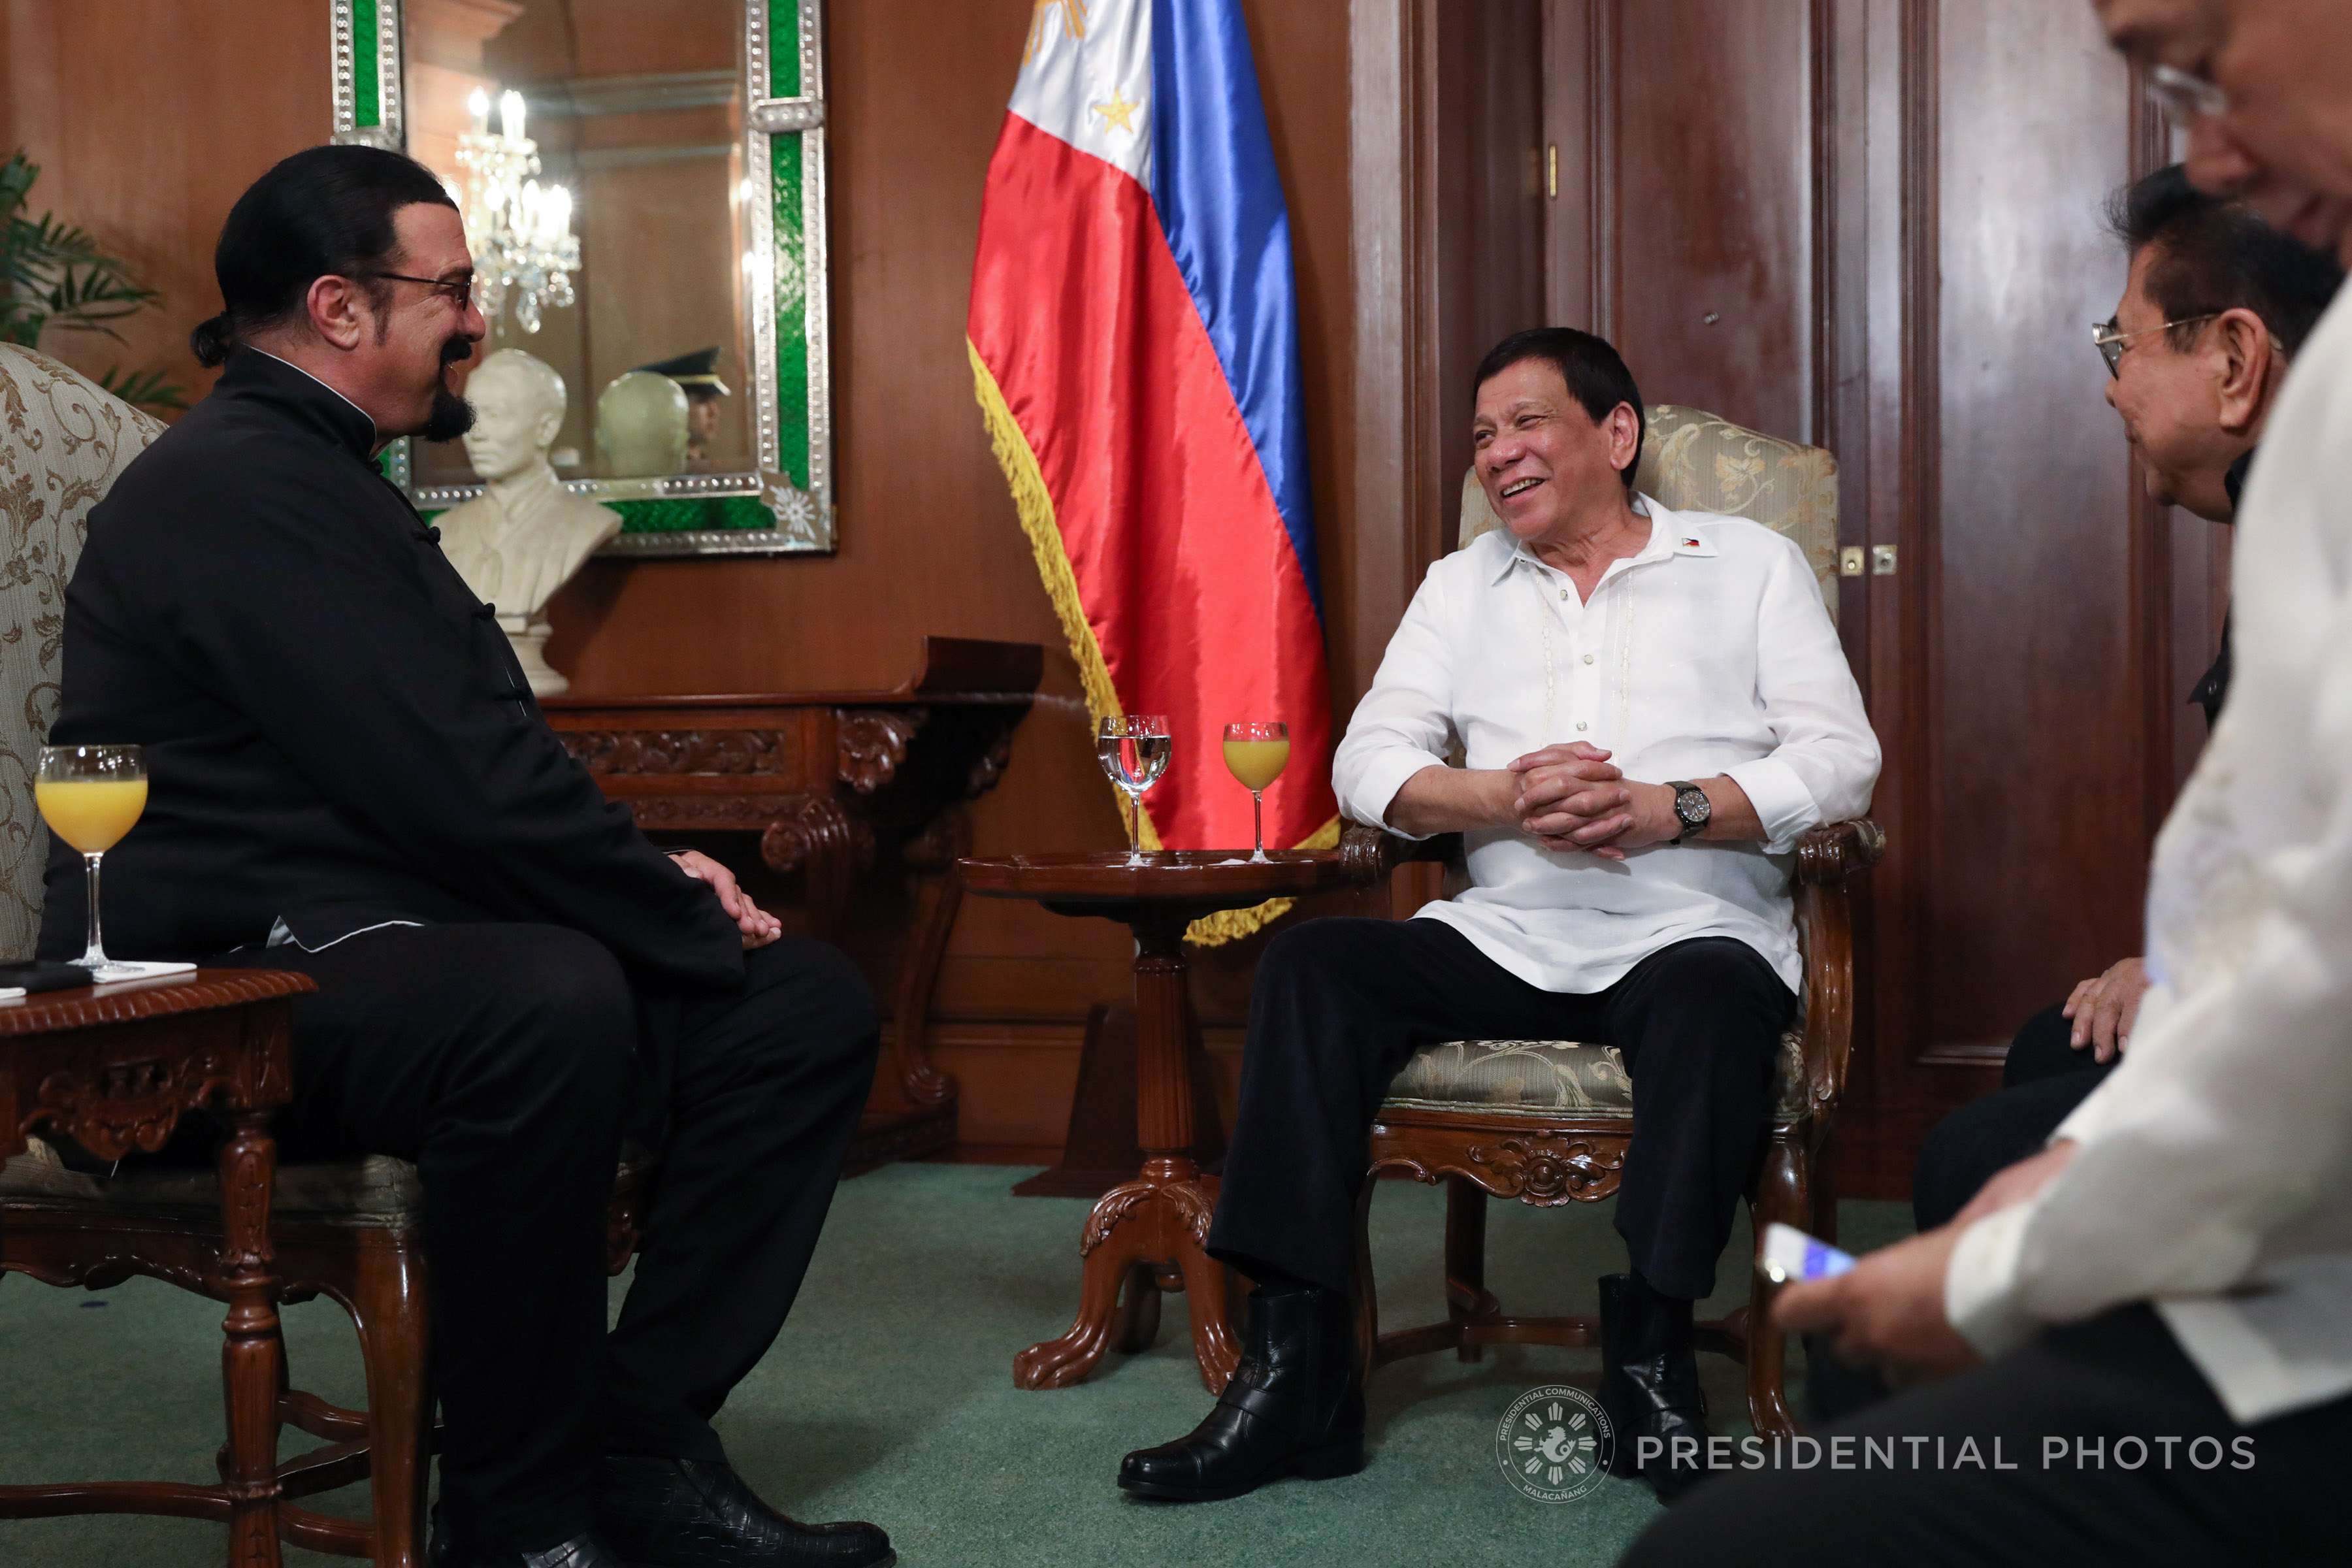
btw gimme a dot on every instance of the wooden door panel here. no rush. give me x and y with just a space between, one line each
1685 231
2030 841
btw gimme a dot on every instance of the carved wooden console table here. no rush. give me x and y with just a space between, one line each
835 785
115 1068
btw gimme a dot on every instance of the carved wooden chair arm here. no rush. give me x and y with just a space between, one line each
1826 857
1370 854
1831 852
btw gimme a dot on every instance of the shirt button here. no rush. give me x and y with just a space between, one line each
1563 593
1580 724
1588 659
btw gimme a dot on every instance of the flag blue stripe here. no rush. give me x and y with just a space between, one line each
1220 202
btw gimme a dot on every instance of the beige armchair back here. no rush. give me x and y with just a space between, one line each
1692 461
63 439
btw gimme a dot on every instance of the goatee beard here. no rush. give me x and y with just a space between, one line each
451 417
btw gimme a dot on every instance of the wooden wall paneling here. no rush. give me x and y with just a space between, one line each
2031 669
1688 128
1487 280
121 103
1392 134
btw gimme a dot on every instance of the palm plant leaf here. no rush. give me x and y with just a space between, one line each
54 272
143 388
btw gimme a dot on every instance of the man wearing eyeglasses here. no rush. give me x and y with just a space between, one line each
349 777
2217 305
2144 1334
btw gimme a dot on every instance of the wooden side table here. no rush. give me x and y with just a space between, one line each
114 1067
1156 1225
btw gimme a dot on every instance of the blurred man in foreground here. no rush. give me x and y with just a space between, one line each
2172 1278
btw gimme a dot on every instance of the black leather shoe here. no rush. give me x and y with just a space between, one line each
1295 1407
1649 1385
692 1513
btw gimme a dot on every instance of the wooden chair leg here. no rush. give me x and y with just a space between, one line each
1465 1259
391 1311
1782 1194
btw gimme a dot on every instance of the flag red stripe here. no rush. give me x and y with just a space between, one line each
1189 581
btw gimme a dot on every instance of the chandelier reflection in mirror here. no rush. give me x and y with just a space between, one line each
518 230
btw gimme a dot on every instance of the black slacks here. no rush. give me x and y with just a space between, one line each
2043 1080
2122 1455
505 1061
1339 1006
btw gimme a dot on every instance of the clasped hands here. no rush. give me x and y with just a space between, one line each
759 926
1573 798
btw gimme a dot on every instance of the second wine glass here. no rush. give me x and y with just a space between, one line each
1134 751
1256 754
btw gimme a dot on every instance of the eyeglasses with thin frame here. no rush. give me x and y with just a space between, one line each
2184 97
459 291
2111 343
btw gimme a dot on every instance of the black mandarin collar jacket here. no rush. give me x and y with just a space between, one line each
337 733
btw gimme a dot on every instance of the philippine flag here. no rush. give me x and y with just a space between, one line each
1134 343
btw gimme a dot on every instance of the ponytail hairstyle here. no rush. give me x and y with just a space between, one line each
326 211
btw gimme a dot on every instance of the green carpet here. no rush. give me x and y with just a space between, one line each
889 1397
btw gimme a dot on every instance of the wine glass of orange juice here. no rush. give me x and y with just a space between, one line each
1256 755
90 797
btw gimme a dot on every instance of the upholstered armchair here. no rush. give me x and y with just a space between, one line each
1549 1121
351 1230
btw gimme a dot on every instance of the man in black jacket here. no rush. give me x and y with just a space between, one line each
348 776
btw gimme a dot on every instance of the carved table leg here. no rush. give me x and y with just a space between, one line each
813 834
1162 1216
251 1355
939 895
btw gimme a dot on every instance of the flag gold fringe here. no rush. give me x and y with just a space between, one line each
1232 925
1035 505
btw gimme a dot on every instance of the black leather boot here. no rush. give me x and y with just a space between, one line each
1649 1383
1295 1407
693 1513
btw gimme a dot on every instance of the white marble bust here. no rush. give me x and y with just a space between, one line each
525 535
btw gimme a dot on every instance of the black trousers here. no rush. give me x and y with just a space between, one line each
2122 1456
505 1061
1339 1006
2043 1080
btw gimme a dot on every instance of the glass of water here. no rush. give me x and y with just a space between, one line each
1134 751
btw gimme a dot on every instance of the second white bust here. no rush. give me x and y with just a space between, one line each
525 535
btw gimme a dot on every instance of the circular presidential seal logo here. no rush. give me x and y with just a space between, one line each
1554 1443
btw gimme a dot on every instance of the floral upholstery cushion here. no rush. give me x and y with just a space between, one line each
1692 461
63 439
1554 1078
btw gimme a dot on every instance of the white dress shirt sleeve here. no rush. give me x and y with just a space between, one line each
1404 723
1826 761
2226 1118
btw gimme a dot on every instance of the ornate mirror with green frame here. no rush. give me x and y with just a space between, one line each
643 189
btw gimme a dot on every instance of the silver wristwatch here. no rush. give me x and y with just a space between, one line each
1692 808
